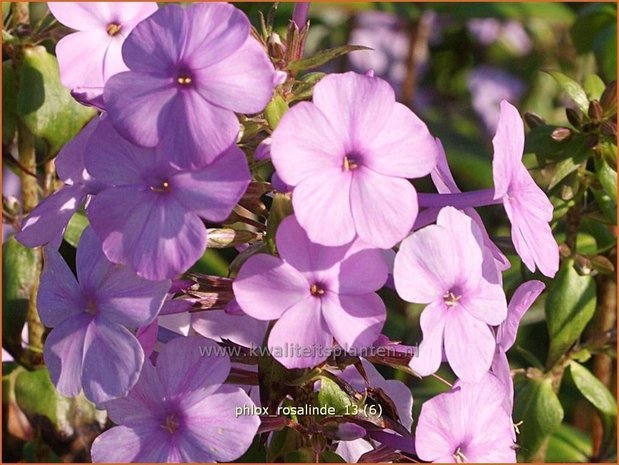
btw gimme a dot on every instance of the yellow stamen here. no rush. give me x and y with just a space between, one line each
113 28
171 423
184 80
349 165
316 290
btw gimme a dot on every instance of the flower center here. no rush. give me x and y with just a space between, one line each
163 187
459 456
317 290
91 307
451 298
171 423
351 162
113 28
184 79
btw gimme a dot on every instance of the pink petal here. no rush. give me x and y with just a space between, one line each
139 443
403 148
520 302
64 353
508 148
189 364
324 200
305 145
487 303
81 15
59 295
428 357
354 320
301 337
113 360
362 271
266 287
439 428
219 325
215 432
213 191
242 82
469 345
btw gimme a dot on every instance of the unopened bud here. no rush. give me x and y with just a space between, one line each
561 134
276 48
574 117
595 111
608 100
533 120
221 238
609 128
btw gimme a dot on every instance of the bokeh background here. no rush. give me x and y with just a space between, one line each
452 63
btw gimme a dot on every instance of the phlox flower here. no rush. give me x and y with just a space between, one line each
47 222
526 205
466 424
447 267
315 293
179 411
520 302
149 215
91 55
347 154
190 70
90 346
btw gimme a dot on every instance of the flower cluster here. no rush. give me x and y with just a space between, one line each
162 164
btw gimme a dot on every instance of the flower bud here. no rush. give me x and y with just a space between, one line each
561 134
533 120
608 100
596 111
574 117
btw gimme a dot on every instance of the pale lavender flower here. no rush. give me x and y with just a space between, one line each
150 215
466 424
526 205
91 347
348 155
179 411
11 190
316 293
47 222
447 267
89 57
191 69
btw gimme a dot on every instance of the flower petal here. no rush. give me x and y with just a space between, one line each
354 320
322 207
59 296
266 287
362 272
192 363
113 360
508 148
428 357
139 443
213 191
80 15
153 234
64 353
469 345
520 302
305 145
243 82
215 431
487 303
47 222
385 226
301 337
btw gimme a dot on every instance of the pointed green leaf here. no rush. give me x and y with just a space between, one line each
331 395
594 86
572 89
44 105
570 304
593 389
275 110
324 57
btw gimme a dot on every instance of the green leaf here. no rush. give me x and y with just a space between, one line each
303 455
594 86
568 444
280 209
331 395
324 57
607 177
570 304
44 105
539 409
75 228
37 397
9 102
275 110
607 205
330 457
19 272
593 389
304 88
572 89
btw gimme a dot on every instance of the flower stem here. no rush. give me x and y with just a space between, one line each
479 198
